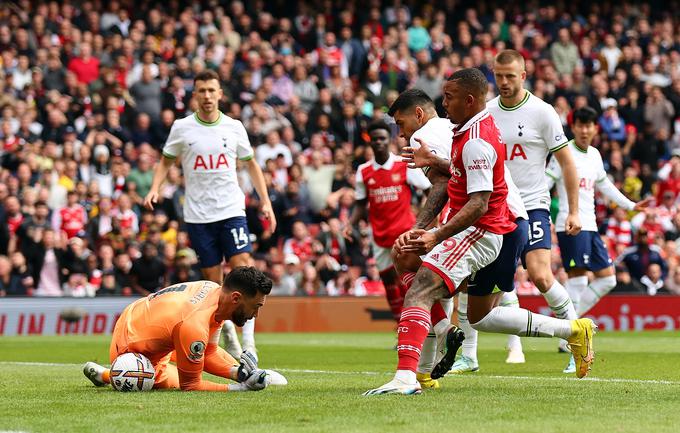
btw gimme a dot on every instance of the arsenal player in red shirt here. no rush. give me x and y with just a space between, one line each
470 240
383 191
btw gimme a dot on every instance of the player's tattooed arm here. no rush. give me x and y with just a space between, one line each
472 211
421 241
436 200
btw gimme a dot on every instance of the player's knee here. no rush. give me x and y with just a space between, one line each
405 262
424 290
543 280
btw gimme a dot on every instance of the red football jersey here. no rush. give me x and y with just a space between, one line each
478 164
389 199
72 220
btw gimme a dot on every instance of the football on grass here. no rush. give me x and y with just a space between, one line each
132 372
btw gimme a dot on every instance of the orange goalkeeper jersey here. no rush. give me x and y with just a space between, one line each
179 318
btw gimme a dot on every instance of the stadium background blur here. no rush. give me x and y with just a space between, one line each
89 90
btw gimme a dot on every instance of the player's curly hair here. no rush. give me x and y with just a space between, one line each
248 280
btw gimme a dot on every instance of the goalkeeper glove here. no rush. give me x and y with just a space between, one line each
248 365
257 381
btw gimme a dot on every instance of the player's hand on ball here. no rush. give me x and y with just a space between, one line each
257 381
248 365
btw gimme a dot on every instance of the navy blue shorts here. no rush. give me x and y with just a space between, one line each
220 239
585 250
539 232
500 274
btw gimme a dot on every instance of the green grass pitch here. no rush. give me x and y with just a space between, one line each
634 387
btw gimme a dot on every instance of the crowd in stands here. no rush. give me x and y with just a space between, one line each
90 89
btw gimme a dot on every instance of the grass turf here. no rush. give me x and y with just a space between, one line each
634 387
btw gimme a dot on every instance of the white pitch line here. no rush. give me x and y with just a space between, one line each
379 373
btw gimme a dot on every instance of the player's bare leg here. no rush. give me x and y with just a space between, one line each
414 325
248 330
434 347
540 273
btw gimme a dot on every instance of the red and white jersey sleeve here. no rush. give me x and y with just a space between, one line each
478 159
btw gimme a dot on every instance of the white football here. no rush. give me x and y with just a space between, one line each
276 378
132 372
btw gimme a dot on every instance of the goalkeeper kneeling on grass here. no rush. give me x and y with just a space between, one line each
182 324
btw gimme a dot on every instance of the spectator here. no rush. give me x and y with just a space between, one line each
611 123
272 149
147 274
564 53
641 256
89 114
84 66
300 244
147 94
320 180
10 283
658 111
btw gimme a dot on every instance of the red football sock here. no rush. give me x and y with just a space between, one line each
411 333
438 313
394 299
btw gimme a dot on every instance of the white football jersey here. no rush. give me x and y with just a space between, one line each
437 133
208 154
530 131
590 171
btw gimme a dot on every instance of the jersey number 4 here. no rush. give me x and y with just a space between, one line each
240 238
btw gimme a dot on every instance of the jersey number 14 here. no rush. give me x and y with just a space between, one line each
240 237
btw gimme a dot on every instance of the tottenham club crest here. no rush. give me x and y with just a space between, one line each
520 127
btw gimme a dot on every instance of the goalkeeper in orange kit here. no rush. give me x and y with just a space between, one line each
182 324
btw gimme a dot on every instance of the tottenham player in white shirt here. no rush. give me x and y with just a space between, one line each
208 144
586 251
415 114
531 129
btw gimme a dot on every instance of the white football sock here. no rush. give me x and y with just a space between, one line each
248 333
510 300
428 353
559 301
469 348
595 291
447 303
575 287
518 321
